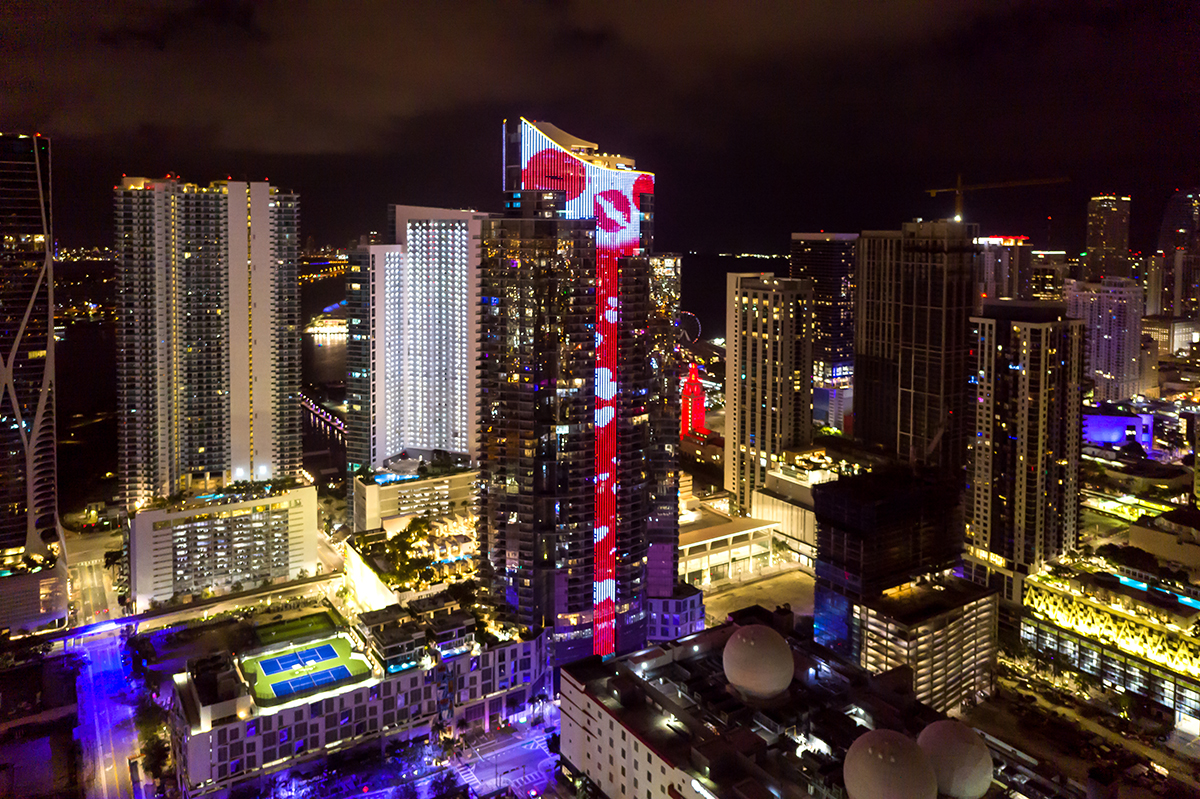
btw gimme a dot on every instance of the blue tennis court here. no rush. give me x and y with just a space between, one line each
305 658
298 684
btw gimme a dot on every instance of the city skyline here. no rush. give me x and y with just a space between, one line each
811 164
436 442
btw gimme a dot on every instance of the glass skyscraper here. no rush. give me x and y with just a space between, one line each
578 498
32 569
912 344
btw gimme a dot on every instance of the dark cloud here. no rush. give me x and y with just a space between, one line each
759 116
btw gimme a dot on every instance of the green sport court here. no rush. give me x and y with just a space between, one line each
313 625
281 674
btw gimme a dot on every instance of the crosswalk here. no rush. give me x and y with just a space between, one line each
467 775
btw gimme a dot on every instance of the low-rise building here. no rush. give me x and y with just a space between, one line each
714 548
386 498
1127 634
750 710
240 537
944 631
237 719
677 615
39 735
1114 427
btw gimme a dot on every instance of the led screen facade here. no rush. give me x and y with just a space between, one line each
614 197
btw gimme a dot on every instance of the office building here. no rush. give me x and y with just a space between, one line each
32 555
578 436
1023 480
1111 311
1049 271
227 541
412 338
877 531
208 335
768 377
1178 255
912 343
750 709
1107 237
1173 334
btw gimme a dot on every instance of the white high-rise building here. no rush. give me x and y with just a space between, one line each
413 337
768 377
208 335
1112 314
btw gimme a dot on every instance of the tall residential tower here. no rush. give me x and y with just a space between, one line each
413 340
577 447
33 590
208 335
768 378
827 259
1023 481
1111 311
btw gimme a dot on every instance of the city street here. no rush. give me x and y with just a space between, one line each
107 733
331 561
93 598
520 760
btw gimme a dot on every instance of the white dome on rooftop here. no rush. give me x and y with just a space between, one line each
758 662
885 764
960 759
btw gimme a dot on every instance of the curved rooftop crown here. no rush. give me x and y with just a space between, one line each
581 148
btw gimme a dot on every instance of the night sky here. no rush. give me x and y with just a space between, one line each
760 118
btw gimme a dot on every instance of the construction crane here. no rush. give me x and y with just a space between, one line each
959 188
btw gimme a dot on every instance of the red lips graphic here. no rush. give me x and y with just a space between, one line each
643 185
612 209
554 170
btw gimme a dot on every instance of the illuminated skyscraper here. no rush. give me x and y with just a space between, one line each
1023 480
576 514
827 259
208 335
1107 237
33 590
413 338
912 347
693 404
768 378
1111 311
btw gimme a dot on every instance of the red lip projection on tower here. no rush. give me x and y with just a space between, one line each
612 197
